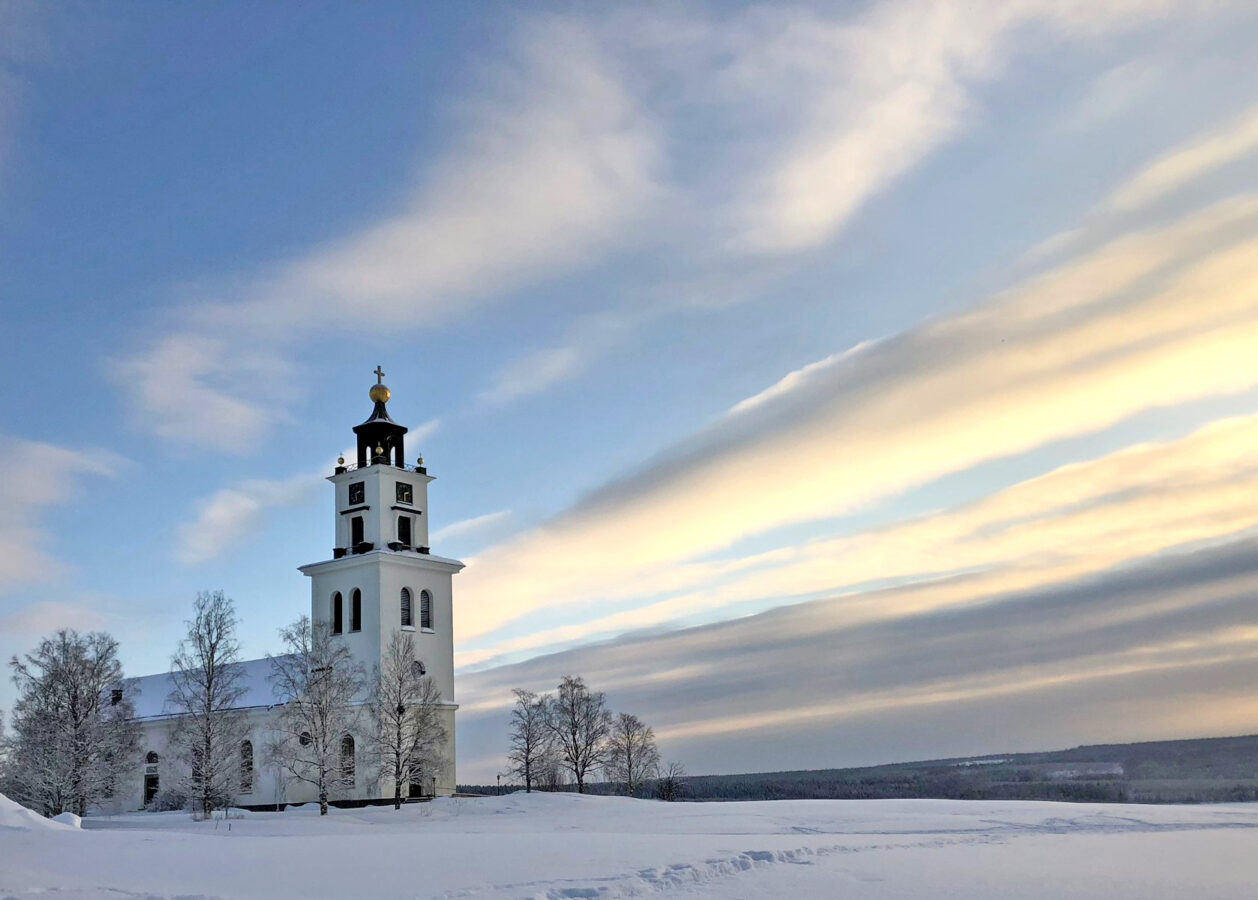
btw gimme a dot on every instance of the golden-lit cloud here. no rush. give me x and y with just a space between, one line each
1150 320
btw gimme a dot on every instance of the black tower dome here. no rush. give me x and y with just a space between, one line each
380 439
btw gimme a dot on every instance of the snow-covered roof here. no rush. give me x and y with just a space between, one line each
149 692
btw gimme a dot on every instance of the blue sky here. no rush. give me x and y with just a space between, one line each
847 321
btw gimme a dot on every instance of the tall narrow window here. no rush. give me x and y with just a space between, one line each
246 767
336 613
355 531
151 779
404 530
347 760
408 616
425 610
356 611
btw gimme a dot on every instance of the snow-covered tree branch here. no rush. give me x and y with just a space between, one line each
73 724
408 731
207 687
321 689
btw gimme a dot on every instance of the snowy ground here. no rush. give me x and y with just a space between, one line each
566 846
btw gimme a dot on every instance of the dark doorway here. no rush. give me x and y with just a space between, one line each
355 531
404 530
150 788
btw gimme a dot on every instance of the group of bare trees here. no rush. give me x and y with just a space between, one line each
572 733
75 735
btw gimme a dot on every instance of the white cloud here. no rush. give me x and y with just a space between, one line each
39 619
229 515
23 557
1232 142
535 372
553 164
471 527
879 93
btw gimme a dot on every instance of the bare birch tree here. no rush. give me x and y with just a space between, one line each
578 721
632 757
671 783
320 688
74 730
530 738
408 728
208 684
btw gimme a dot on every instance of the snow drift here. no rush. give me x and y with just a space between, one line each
14 815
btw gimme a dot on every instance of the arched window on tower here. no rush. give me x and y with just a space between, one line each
408 615
336 613
425 610
356 611
347 760
246 767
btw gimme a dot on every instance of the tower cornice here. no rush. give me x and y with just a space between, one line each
377 557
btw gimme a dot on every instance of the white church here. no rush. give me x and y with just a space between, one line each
381 579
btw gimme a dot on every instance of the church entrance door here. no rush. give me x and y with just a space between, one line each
150 788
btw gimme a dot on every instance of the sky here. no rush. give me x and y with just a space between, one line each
829 384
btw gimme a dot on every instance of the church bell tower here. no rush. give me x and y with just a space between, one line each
383 578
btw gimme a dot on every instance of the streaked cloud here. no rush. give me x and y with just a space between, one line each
24 556
40 619
1118 655
1230 143
1151 319
554 161
880 92
230 515
465 528
1079 519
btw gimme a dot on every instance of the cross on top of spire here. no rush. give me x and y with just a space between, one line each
379 373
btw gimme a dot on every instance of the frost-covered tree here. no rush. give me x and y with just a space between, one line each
408 729
550 774
208 683
632 757
578 722
530 738
74 732
320 688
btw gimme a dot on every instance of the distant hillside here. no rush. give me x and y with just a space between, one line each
1192 771
1203 770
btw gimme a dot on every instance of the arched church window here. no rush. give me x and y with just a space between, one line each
356 611
425 610
152 780
408 620
336 613
418 670
306 740
347 759
246 767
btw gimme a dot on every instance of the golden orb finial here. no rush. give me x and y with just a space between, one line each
380 393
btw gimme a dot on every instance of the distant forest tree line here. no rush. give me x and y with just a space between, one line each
1203 770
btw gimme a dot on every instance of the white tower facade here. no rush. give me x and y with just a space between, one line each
382 579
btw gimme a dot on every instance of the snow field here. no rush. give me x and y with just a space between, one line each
556 846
